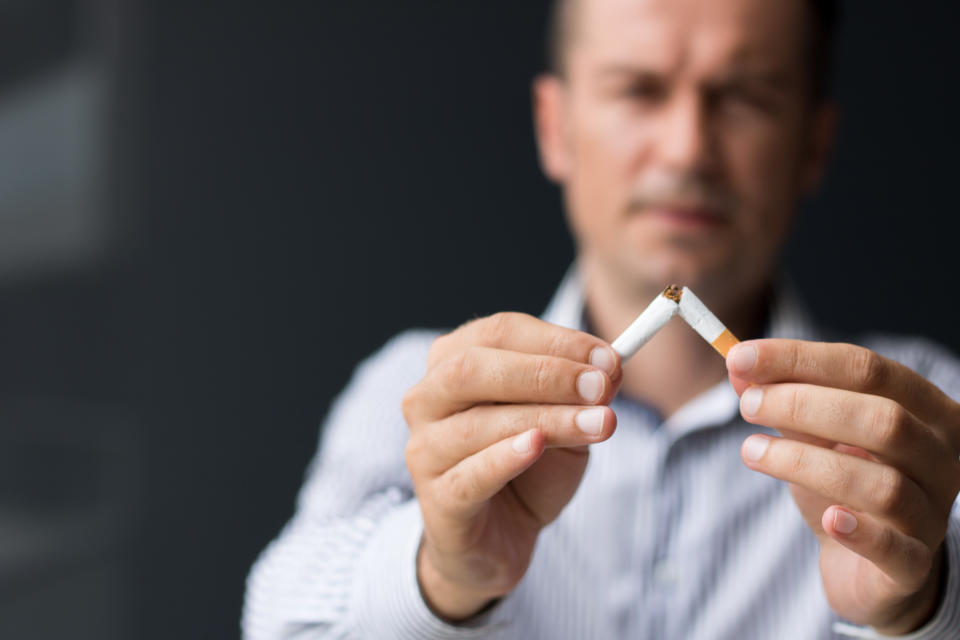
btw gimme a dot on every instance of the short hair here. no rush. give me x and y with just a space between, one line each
824 17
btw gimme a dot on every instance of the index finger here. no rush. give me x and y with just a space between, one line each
524 333
840 366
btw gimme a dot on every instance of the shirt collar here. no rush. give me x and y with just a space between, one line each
789 318
568 304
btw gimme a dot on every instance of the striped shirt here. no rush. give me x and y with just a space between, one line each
668 536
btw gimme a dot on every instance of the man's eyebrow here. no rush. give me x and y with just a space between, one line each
620 70
747 66
772 78
775 78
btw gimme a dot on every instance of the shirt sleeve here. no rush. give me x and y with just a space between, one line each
345 564
387 601
945 624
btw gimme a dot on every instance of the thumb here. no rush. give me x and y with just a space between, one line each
549 484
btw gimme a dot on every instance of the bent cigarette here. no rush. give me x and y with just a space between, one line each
673 301
705 323
657 314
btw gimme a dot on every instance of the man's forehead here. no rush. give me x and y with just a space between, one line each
761 33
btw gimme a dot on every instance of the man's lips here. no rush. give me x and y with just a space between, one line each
685 216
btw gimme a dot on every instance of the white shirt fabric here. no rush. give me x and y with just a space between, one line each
669 535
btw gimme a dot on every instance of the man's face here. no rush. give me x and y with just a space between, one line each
682 135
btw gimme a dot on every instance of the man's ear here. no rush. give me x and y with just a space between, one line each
550 124
822 133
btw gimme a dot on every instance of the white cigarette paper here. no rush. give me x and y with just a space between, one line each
705 323
658 313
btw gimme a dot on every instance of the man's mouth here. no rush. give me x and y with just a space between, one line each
685 216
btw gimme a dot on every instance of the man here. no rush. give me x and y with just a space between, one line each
682 133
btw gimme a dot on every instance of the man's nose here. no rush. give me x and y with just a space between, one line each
685 141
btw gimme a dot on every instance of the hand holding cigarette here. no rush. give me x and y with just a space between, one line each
498 428
870 450
486 481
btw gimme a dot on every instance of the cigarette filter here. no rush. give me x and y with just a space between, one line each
705 323
654 317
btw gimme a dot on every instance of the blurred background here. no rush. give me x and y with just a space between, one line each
209 212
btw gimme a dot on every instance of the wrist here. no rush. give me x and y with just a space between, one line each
449 601
919 608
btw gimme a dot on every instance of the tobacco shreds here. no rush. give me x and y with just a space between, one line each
673 292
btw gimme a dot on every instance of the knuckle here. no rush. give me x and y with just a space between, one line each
487 469
890 421
458 488
542 419
462 484
837 479
793 357
456 371
890 492
474 425
542 375
411 455
468 325
886 543
502 423
494 330
869 369
437 347
559 343
797 405
409 404
797 358
800 461
473 481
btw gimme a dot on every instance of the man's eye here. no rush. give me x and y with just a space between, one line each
738 98
645 91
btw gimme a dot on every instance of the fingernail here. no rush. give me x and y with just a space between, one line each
750 400
521 444
754 447
603 358
590 385
590 421
844 522
742 358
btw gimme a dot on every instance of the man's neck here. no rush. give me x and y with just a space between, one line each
677 365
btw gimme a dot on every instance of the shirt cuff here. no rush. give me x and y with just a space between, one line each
945 624
387 602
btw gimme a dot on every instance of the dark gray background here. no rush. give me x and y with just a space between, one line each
279 188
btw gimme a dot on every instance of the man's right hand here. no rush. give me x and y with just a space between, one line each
498 433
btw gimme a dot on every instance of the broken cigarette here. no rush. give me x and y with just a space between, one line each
705 323
654 317
673 301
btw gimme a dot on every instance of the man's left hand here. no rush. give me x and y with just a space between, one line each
870 450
